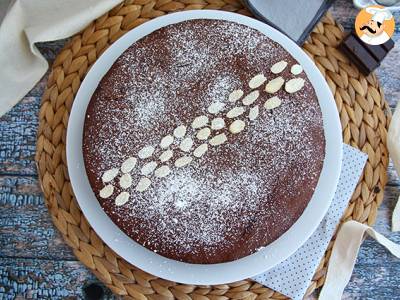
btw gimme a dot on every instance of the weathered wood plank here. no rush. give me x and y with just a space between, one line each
26 229
389 75
18 138
44 279
367 280
371 279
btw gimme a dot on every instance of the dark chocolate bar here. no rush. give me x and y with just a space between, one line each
377 51
388 45
366 57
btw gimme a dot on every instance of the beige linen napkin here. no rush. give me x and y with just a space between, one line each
28 22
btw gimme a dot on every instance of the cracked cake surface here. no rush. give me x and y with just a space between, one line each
204 141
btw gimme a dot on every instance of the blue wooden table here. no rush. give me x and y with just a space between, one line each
35 262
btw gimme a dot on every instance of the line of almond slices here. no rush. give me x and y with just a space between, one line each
204 126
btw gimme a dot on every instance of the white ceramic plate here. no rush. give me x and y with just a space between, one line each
169 269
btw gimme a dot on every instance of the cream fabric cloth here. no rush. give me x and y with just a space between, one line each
28 22
344 255
394 150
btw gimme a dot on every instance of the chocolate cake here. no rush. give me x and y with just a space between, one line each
204 141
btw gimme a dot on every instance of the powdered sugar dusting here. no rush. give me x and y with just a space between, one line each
184 189
148 108
238 196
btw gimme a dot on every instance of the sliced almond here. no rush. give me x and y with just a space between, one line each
296 69
250 98
122 198
166 141
274 85
235 112
279 67
109 175
215 107
180 131
199 122
235 95
106 191
253 114
128 165
162 171
218 139
217 123
186 144
143 184
203 134
200 150
166 155
125 181
183 161
148 168
257 81
294 85
237 126
272 103
146 152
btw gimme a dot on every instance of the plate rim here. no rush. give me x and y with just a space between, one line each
169 269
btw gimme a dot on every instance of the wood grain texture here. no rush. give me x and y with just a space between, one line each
18 138
35 261
43 279
26 229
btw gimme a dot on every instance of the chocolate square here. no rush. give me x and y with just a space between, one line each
366 57
355 49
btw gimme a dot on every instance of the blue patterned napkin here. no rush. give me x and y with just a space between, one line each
293 276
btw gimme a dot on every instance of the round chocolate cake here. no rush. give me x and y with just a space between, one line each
204 141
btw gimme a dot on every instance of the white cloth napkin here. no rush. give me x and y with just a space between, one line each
293 276
28 22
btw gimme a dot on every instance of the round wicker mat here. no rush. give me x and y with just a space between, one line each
364 116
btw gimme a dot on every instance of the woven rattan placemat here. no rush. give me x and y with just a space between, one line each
363 111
